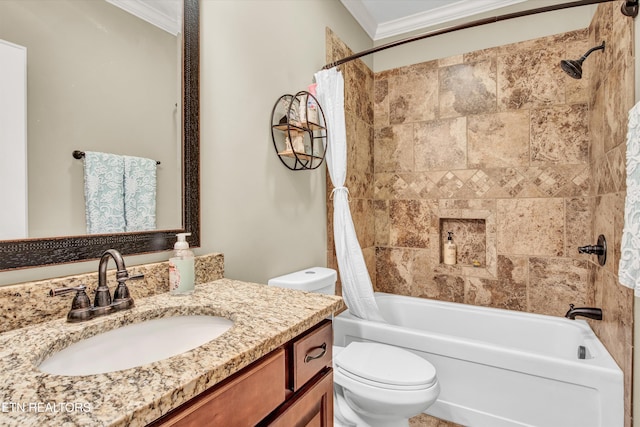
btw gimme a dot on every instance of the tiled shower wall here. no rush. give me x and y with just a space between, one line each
521 162
611 94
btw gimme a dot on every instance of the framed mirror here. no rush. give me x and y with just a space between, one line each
34 252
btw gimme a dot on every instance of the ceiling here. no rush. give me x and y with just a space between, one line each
388 18
164 14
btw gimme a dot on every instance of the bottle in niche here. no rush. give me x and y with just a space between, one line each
449 250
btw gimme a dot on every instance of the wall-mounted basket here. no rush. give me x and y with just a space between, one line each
298 131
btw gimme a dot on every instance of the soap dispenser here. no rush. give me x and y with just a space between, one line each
449 250
181 267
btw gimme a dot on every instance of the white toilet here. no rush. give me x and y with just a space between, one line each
375 385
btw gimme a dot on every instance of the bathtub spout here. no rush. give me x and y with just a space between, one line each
590 312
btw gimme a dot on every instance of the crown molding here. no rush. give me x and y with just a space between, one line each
428 18
147 11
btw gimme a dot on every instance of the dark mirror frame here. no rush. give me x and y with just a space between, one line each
16 254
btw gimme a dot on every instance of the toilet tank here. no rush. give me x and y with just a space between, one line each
315 279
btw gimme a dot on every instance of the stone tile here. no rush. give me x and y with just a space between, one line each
554 283
602 177
615 330
579 225
596 124
480 183
381 102
481 55
394 270
550 181
384 186
449 185
424 420
441 145
359 158
393 148
618 101
528 78
467 89
604 223
618 200
616 159
411 222
498 140
358 95
510 182
442 287
530 227
560 134
583 181
404 186
369 255
451 60
381 213
413 95
363 220
496 293
578 91
509 291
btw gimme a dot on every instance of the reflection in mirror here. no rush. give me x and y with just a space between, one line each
87 123
100 79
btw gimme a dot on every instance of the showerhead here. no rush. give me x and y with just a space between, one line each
574 67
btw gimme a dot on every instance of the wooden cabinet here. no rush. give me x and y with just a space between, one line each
291 386
312 406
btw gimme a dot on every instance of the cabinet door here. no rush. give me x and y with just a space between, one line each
240 402
312 406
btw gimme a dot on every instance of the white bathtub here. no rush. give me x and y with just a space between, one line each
499 367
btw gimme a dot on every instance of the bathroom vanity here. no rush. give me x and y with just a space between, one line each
292 385
255 373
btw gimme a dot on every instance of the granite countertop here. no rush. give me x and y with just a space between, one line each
264 317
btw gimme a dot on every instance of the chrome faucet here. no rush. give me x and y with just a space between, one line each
589 312
81 308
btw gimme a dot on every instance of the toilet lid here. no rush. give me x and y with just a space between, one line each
385 364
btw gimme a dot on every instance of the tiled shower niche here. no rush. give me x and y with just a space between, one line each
470 237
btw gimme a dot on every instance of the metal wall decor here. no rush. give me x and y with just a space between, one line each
299 131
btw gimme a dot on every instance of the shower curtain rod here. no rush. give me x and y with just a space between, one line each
469 25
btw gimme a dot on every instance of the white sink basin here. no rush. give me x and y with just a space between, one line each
135 345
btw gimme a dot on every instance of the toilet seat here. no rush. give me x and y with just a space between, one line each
385 366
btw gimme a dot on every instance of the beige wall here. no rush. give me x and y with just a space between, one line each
265 218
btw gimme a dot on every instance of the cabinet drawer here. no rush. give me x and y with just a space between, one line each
243 400
311 353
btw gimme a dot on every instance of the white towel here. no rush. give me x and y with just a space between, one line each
104 192
139 193
629 267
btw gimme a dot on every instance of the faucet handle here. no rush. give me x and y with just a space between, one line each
63 291
80 306
121 297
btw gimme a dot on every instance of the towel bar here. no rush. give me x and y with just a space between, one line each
77 154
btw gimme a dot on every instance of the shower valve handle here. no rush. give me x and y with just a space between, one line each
591 249
599 249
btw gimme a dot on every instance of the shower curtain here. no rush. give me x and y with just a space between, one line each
357 289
